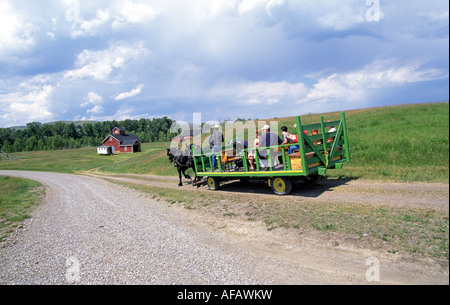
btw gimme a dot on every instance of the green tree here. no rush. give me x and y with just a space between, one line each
7 146
41 144
34 129
58 129
18 146
70 131
31 143
88 130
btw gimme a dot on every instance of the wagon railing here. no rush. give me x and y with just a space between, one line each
315 154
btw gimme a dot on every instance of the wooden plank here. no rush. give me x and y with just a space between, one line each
344 131
316 149
309 127
301 143
296 163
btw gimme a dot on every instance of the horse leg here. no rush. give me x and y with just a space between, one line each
179 175
182 171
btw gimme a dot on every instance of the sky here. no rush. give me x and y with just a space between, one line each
225 59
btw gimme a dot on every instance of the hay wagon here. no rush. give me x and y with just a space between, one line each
329 149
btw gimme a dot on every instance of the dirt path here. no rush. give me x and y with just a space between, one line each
431 195
81 218
337 258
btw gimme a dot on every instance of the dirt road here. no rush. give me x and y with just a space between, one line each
118 236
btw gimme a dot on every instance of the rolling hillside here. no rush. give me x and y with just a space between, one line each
401 143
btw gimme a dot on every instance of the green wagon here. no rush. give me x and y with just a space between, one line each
329 149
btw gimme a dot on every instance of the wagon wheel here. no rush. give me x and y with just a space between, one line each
213 183
311 180
281 185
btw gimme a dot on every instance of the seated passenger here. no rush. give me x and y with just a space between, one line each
272 140
290 138
316 132
252 153
286 135
332 129
239 146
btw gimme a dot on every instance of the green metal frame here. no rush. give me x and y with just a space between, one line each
327 155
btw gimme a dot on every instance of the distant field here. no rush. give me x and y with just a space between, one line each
404 143
152 160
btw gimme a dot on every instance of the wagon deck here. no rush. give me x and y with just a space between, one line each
315 155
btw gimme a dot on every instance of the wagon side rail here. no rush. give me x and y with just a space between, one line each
325 150
316 153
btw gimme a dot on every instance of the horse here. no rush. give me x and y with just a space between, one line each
182 161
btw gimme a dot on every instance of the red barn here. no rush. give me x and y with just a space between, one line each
122 142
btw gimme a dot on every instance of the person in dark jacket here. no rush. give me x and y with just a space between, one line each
215 141
269 139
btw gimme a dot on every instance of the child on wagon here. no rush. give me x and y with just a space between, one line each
290 138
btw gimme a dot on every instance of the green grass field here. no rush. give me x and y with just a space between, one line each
405 143
408 143
17 197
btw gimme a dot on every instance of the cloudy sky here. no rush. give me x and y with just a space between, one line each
225 59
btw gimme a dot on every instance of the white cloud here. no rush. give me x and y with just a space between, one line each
92 98
260 93
134 13
91 27
51 35
97 109
15 33
387 73
220 7
132 93
100 64
207 52
117 14
119 115
249 5
332 89
356 85
95 100
29 107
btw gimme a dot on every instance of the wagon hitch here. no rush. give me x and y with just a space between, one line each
200 183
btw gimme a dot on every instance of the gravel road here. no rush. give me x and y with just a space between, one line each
89 231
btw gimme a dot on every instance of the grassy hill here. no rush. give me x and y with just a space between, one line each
53 123
401 143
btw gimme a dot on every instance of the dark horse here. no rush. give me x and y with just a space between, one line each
182 160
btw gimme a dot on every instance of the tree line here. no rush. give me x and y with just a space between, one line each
60 135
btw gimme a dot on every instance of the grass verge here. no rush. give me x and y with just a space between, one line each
416 231
17 198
